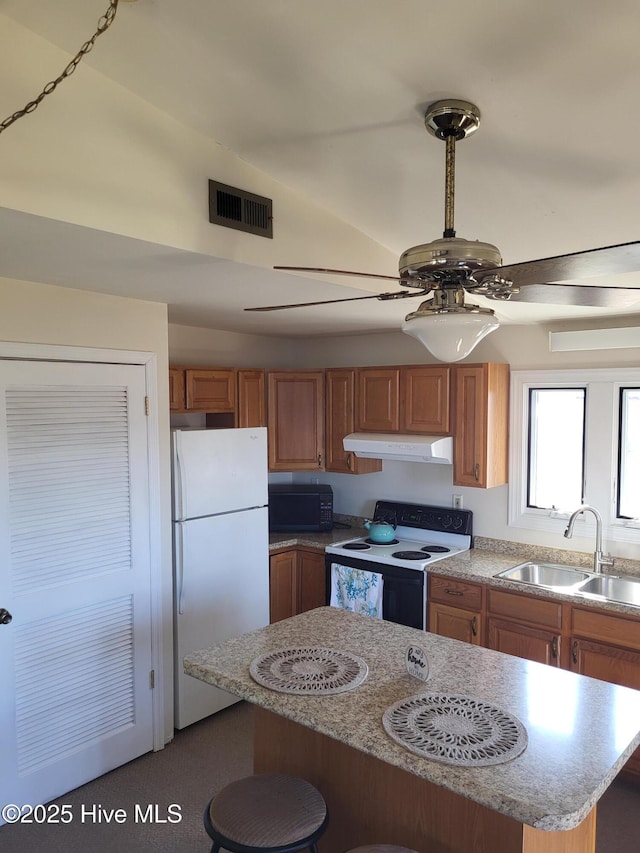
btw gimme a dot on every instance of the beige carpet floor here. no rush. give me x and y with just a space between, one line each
189 771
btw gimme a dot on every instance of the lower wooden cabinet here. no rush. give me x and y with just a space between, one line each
524 626
455 609
296 582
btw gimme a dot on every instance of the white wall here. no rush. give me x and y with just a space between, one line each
189 345
42 314
98 156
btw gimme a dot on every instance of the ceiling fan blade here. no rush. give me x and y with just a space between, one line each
578 294
383 297
410 281
610 260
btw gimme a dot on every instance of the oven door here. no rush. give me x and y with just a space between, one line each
403 590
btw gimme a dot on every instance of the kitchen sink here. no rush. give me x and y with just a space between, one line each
613 588
576 581
550 575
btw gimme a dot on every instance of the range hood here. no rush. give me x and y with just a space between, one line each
403 448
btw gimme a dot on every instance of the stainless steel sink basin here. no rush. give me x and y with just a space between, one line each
623 589
576 581
548 575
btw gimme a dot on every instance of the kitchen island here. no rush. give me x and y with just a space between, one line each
580 733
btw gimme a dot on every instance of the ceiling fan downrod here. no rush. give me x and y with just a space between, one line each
451 120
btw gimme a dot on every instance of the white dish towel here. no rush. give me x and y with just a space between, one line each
356 590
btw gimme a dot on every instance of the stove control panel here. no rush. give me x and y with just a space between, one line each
425 517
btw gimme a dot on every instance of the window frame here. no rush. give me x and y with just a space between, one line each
601 438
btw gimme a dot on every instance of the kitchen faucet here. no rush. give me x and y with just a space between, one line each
599 559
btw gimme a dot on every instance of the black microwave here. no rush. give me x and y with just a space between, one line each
300 507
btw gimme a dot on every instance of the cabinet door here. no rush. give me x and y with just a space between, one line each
211 390
481 413
282 586
311 579
537 644
176 389
424 406
340 421
456 623
296 420
378 399
252 409
613 664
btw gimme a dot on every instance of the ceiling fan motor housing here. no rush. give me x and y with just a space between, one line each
450 254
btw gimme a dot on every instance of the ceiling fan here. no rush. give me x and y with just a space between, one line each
445 269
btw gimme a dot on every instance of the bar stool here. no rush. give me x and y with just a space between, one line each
277 813
380 848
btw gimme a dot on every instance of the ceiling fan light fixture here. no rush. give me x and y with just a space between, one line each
450 334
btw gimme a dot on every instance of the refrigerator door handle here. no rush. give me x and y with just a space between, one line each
179 566
178 485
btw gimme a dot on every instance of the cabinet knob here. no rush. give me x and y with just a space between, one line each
474 626
453 591
319 460
476 472
554 647
349 461
574 651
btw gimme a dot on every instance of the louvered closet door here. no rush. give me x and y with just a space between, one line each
74 573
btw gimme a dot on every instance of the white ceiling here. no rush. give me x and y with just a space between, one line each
328 98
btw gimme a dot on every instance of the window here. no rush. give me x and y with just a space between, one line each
629 454
555 469
575 438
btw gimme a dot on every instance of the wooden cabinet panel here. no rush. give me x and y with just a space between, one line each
455 593
424 404
378 399
606 627
211 390
340 421
177 400
297 582
282 586
523 641
614 664
456 623
252 408
296 420
525 608
311 577
481 410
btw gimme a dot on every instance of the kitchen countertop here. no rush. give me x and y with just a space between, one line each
484 561
580 730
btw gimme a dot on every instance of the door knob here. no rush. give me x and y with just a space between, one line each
5 616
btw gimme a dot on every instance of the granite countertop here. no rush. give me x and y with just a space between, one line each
484 561
552 785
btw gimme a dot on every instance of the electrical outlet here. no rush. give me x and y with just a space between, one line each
456 502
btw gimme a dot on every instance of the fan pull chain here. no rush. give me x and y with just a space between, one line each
103 24
449 186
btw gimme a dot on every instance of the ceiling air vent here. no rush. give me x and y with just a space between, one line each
239 209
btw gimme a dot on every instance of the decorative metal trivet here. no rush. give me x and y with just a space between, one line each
455 729
311 671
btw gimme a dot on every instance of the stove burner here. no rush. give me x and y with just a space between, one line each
391 542
409 555
356 546
436 549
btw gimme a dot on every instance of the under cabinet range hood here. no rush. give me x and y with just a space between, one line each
402 448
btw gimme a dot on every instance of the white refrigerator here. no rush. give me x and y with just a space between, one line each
221 551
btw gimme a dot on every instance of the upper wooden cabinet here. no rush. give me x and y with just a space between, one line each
295 420
405 399
252 402
340 390
211 390
481 425
176 389
424 399
237 395
378 399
